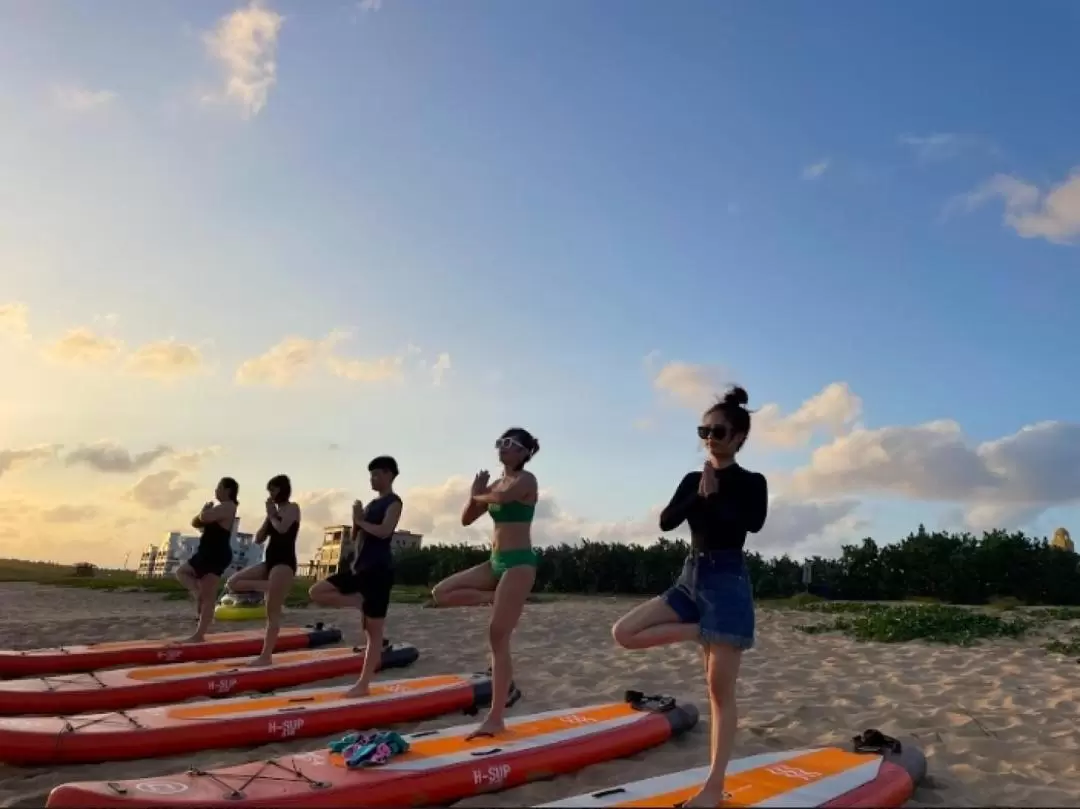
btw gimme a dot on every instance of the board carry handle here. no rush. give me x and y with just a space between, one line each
655 703
874 741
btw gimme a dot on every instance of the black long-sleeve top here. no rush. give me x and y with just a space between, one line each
722 520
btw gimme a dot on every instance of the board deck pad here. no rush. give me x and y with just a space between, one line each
67 659
116 689
441 766
234 721
795 778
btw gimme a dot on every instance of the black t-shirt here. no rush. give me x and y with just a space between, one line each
374 552
722 520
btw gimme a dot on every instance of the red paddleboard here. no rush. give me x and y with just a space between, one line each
233 722
116 689
440 767
65 659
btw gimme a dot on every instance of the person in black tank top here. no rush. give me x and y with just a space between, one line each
202 573
366 578
274 575
712 600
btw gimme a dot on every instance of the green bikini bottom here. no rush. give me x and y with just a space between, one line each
502 561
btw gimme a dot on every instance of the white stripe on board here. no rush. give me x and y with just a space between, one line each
827 789
475 754
812 795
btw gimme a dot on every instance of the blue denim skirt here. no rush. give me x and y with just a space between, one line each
714 592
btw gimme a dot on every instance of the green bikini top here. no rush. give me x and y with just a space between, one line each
512 511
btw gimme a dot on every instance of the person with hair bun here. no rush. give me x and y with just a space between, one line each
712 600
506 579
202 573
274 575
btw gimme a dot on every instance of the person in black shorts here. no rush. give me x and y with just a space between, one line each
202 573
365 582
274 575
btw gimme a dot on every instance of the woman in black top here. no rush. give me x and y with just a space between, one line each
712 600
274 575
202 573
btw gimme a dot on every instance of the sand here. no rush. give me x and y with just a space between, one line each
998 721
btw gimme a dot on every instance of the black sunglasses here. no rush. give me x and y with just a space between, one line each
717 431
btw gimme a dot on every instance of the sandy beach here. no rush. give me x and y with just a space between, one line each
998 721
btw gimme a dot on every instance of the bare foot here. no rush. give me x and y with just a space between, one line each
709 796
259 662
358 690
487 729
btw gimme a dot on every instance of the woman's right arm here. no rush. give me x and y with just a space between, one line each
260 535
686 495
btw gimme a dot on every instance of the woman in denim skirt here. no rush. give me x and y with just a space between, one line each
712 600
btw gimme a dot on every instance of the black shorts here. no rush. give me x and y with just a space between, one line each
373 586
273 557
207 560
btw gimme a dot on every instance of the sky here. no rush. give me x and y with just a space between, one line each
285 237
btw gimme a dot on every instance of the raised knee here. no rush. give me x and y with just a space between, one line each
622 635
438 594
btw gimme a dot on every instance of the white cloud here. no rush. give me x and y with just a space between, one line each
110 457
295 358
192 459
370 5
832 411
816 170
14 320
245 44
14 458
1004 482
1053 215
161 491
944 145
287 362
82 346
75 98
165 360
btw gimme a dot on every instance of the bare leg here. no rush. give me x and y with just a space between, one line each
510 596
325 594
466 588
278 584
208 586
185 574
250 579
373 627
723 671
653 623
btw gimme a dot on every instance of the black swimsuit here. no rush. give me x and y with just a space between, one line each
281 547
214 554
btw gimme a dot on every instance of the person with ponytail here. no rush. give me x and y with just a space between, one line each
712 600
202 573
506 579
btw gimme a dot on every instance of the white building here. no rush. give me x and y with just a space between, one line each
164 558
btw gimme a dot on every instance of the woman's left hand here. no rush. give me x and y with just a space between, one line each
271 507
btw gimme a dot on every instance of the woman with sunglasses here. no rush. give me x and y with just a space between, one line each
712 600
506 579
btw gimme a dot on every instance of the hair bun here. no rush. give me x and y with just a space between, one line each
737 397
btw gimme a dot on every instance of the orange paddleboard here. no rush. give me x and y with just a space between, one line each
441 766
66 659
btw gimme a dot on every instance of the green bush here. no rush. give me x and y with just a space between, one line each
1007 569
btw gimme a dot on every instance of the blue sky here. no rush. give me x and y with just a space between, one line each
547 193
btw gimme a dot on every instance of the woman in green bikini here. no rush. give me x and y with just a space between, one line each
506 579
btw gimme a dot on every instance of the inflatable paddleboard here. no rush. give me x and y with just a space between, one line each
233 722
116 689
66 659
877 772
441 766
